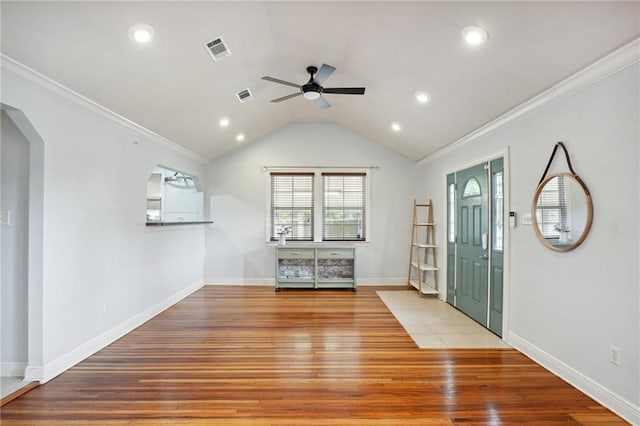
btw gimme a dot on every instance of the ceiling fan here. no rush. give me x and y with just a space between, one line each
313 89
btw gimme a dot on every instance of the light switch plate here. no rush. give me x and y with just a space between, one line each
526 219
5 217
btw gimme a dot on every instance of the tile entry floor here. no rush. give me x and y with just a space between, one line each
434 324
8 385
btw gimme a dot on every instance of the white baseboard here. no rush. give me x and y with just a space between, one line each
33 374
271 281
87 349
12 369
382 281
619 405
240 281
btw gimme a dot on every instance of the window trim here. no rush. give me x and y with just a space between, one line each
318 201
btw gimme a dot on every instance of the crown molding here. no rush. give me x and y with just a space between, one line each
617 60
30 77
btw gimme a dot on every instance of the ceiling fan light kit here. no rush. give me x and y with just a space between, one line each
311 95
313 90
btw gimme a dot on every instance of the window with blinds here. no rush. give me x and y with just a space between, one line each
551 210
292 206
343 207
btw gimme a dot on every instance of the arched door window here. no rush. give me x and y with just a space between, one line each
471 188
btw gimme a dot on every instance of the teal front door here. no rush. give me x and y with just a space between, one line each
475 242
472 214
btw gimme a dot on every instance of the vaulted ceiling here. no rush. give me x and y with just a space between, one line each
174 88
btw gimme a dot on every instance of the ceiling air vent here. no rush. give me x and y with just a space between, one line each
244 95
217 49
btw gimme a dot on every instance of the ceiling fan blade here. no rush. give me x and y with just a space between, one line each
344 90
323 74
322 103
277 80
284 98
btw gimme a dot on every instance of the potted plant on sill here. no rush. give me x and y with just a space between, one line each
563 233
284 230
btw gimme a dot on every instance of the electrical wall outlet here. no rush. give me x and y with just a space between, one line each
5 217
614 355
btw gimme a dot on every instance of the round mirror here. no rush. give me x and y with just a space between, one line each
562 212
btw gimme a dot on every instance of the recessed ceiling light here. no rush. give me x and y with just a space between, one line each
240 137
395 127
474 36
224 121
141 33
423 97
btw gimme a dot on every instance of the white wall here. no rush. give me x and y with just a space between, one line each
569 308
103 269
236 247
15 191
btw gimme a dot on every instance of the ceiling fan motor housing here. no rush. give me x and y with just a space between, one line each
311 90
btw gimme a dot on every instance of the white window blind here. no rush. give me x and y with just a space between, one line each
292 206
551 210
343 207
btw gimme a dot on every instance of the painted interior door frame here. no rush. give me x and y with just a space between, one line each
507 231
35 345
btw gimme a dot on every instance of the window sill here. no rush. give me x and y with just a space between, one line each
178 223
319 244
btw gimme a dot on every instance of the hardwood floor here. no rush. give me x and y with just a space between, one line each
249 355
